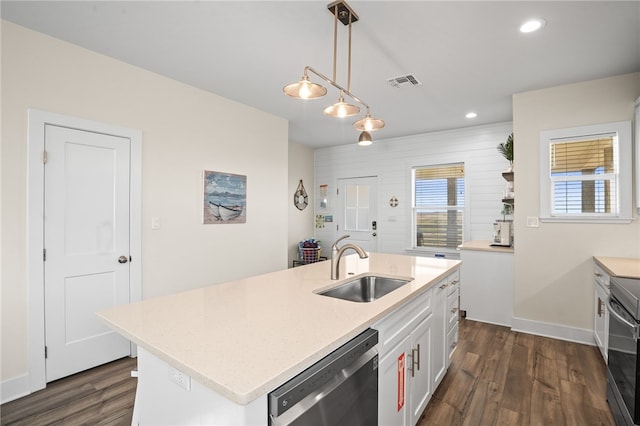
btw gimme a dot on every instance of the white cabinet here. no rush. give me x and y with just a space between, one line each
445 320
601 312
414 347
486 289
453 314
404 346
392 409
419 369
439 350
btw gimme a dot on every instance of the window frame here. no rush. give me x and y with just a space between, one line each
622 130
412 211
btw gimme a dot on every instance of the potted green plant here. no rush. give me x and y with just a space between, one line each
506 149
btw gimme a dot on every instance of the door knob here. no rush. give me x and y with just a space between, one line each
374 234
123 259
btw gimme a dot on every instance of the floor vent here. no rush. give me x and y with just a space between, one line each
404 80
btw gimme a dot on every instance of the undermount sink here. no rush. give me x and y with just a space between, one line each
365 289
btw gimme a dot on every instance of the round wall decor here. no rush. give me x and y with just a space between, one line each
300 198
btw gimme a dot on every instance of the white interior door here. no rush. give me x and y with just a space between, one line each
357 211
86 238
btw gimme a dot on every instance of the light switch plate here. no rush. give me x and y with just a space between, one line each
533 222
155 223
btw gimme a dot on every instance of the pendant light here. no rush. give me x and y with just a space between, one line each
341 109
365 139
368 123
305 89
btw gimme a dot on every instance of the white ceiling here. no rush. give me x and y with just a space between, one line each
469 56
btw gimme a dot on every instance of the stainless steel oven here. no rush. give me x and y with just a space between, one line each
340 389
623 372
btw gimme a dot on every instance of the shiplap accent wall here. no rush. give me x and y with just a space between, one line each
391 161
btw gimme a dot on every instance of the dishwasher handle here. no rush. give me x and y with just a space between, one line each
615 309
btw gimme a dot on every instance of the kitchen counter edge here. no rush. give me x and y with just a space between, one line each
484 245
619 266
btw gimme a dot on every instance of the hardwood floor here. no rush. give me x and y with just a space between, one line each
101 396
501 377
497 377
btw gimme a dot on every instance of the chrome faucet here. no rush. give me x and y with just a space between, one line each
336 254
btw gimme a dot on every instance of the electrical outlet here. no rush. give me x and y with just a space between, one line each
179 378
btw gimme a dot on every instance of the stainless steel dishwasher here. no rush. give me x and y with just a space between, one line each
340 389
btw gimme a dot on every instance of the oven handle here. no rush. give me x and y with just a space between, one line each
613 310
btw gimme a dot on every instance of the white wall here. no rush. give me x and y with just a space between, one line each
185 131
553 263
300 222
391 161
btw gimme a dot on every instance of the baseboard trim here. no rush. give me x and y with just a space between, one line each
561 332
14 388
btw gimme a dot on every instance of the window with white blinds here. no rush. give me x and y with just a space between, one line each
585 173
583 176
438 205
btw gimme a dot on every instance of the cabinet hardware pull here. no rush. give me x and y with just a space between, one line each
410 367
443 286
600 303
597 274
454 310
415 354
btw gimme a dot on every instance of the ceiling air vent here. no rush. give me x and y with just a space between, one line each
404 80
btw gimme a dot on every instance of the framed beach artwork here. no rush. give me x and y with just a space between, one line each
225 198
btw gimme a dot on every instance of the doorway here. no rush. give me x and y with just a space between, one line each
358 211
85 252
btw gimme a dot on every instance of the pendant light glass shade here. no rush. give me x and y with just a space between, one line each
368 124
341 109
305 89
365 139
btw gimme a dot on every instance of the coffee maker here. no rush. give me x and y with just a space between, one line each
502 233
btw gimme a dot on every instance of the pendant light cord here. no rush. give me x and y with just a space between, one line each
335 40
349 63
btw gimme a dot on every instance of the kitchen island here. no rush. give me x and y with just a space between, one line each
239 340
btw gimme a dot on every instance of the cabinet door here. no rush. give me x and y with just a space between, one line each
392 384
453 311
419 376
438 344
601 322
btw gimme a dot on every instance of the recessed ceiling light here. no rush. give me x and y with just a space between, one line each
471 115
532 25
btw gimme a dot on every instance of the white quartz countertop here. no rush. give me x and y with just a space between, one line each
245 338
620 266
483 245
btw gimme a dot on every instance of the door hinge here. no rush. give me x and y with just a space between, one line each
45 353
44 255
44 157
